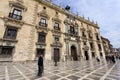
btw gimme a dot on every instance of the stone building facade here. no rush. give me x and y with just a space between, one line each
32 27
108 48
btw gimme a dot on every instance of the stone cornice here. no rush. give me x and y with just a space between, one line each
13 22
55 7
11 40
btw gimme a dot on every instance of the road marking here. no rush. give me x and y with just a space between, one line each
91 72
6 73
104 76
26 78
27 68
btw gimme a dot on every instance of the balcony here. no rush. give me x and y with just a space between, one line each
56 28
56 44
14 16
42 24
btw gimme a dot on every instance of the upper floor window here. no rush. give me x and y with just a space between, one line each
41 37
56 26
91 45
10 33
56 38
16 14
72 30
99 46
97 37
83 34
90 35
43 22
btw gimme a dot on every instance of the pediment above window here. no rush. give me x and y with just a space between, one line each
82 29
76 24
44 14
66 21
56 19
72 23
18 3
89 31
42 30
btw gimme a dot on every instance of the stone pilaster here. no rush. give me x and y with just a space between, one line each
32 34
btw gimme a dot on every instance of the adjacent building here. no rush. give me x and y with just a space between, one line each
108 48
32 27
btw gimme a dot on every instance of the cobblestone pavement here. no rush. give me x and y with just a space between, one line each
70 70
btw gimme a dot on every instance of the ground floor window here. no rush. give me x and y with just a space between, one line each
6 52
40 51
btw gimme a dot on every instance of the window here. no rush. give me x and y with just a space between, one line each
10 33
90 35
41 37
16 14
99 46
91 45
84 43
72 30
97 37
43 22
76 30
56 26
56 39
83 34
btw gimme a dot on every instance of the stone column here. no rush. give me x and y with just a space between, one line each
67 49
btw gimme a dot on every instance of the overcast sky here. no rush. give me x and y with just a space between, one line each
105 12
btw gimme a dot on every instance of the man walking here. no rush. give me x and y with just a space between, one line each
40 65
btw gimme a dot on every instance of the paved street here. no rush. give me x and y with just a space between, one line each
70 70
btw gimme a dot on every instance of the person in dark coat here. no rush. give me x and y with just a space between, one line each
40 65
113 58
98 59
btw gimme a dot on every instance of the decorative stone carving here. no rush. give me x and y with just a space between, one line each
18 3
43 13
86 48
56 19
42 29
82 29
58 44
13 22
7 42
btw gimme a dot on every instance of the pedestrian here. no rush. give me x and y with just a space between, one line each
40 65
98 59
113 58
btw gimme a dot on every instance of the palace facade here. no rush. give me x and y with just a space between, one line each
32 27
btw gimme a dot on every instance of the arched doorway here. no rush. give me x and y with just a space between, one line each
56 54
74 53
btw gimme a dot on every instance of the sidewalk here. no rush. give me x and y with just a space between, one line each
70 70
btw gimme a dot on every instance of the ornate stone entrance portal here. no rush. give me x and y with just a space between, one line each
74 53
